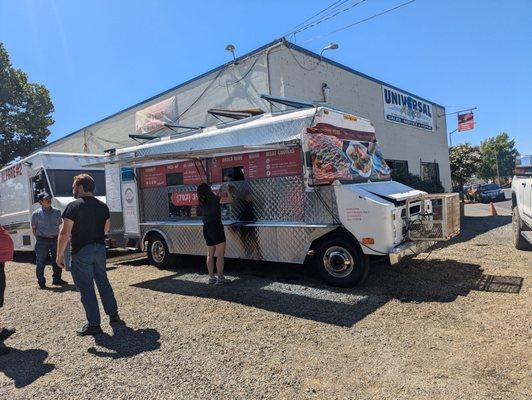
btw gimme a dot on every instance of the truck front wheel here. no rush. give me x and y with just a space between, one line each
158 253
340 262
520 242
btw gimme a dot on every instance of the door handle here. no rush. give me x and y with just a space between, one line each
524 183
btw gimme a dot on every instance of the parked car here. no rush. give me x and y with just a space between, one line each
490 192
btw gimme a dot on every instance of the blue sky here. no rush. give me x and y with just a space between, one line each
97 57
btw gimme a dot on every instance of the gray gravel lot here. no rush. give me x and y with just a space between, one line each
456 326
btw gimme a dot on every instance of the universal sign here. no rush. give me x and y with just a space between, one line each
404 109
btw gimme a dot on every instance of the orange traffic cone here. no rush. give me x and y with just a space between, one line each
493 211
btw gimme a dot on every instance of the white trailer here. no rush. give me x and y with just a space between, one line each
306 184
22 182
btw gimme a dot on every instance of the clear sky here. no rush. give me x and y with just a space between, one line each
97 57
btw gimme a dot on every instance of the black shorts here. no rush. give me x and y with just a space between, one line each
213 232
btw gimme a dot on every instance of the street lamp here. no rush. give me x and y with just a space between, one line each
330 46
230 48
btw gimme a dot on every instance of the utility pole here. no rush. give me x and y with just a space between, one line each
497 165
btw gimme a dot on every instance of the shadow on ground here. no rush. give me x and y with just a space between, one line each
25 366
472 227
126 342
294 291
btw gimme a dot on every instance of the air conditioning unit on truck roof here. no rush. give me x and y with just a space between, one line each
309 183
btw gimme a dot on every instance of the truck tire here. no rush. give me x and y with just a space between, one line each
340 262
157 251
520 242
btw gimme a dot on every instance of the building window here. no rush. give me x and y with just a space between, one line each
398 165
430 171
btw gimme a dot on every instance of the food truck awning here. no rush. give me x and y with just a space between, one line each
261 133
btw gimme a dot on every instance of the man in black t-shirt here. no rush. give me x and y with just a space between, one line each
85 223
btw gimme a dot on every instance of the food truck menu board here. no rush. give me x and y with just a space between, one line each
151 177
264 164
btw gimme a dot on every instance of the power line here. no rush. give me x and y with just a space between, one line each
327 17
243 76
291 31
361 21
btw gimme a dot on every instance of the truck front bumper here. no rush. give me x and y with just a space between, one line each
408 250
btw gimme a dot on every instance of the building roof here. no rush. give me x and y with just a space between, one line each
257 50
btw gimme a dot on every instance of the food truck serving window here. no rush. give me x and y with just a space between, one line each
174 179
233 174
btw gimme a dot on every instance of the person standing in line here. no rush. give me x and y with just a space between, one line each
45 223
213 232
85 223
6 254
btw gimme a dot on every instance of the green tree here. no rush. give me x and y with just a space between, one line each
498 156
464 160
25 112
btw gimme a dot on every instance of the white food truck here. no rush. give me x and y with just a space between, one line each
522 203
23 181
308 184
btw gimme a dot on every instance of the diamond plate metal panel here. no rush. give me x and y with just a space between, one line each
269 243
154 204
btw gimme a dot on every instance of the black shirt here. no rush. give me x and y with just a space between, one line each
211 211
89 215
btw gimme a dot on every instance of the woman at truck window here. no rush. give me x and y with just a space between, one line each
213 232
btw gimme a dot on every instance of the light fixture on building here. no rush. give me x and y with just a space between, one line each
230 48
330 46
325 90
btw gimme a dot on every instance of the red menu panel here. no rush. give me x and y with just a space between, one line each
153 176
156 176
266 164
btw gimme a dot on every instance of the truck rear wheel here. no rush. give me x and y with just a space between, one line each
520 242
340 262
158 253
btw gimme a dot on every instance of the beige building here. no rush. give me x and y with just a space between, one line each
411 130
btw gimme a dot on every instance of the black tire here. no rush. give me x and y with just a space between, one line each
520 242
157 251
340 262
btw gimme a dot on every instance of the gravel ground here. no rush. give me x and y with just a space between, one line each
456 326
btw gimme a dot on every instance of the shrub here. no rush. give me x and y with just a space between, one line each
414 181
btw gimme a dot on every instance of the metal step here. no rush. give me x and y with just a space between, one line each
527 235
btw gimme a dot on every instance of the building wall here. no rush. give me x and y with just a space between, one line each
233 87
239 86
363 97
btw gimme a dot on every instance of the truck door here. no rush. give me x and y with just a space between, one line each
527 198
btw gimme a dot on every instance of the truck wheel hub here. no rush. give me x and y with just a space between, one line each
338 262
157 251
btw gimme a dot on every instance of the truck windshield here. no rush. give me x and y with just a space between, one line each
61 181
